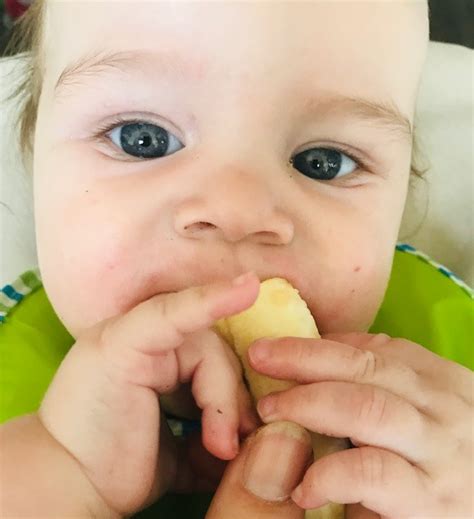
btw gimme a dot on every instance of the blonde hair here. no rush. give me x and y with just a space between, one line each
27 39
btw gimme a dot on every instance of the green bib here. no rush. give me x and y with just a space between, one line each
424 303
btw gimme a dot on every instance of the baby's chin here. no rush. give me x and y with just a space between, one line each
181 403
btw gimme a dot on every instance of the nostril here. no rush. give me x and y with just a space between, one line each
199 226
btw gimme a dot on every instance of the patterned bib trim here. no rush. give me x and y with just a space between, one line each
12 294
404 247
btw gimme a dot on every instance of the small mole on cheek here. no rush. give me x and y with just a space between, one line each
87 190
356 269
219 411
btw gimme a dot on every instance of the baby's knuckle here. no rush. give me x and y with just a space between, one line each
166 369
230 374
167 311
213 338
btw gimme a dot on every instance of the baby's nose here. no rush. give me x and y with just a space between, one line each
235 209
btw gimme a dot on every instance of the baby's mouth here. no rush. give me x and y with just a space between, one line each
181 403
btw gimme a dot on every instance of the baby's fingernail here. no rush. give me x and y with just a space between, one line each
278 456
241 280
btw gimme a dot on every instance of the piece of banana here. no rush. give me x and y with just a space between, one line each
279 311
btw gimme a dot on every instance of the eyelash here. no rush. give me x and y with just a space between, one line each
101 135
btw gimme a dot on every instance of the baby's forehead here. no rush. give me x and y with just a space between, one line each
255 47
230 32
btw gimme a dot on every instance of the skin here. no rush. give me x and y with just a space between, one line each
133 228
407 410
230 201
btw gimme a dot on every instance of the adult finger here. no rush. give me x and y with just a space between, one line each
259 481
363 413
374 477
316 360
417 357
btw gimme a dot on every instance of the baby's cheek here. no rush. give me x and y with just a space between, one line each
353 297
90 294
85 266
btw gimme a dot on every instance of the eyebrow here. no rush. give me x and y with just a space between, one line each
99 63
384 114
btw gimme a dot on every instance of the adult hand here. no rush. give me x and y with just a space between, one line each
258 483
407 411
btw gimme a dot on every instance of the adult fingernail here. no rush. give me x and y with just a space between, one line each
278 456
259 351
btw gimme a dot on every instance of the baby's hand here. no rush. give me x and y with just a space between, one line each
103 406
408 411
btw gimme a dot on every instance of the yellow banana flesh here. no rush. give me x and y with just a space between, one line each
279 311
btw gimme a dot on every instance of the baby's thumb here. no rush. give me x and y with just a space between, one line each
259 481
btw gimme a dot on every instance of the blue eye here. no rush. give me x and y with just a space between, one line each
144 140
324 163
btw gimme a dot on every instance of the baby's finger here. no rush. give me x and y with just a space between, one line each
138 346
215 386
160 323
374 477
249 419
221 374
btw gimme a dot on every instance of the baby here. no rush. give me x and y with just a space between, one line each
177 146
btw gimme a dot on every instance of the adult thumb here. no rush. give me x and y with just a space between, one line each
257 484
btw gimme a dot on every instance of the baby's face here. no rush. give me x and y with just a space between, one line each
271 136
